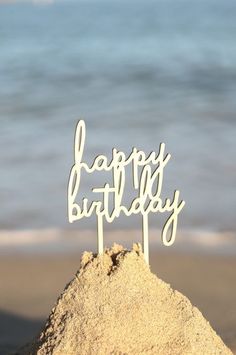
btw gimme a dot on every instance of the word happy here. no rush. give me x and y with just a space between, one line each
147 178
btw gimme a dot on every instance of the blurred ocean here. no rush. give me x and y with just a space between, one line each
139 73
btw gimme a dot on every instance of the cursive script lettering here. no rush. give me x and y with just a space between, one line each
147 179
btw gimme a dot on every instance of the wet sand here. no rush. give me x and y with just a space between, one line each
30 285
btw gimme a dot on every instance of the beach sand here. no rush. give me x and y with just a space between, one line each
30 285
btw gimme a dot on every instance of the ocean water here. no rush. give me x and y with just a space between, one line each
139 73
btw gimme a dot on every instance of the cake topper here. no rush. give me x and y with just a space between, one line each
147 178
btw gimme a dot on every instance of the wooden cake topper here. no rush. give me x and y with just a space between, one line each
147 176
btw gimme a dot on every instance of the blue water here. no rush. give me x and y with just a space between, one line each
139 73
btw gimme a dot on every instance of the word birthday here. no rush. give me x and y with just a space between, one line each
147 179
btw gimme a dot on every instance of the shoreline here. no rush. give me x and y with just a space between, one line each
61 241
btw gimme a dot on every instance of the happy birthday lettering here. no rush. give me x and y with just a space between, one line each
147 179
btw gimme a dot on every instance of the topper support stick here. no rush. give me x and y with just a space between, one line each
100 233
145 238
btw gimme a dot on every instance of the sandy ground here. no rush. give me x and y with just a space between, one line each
30 285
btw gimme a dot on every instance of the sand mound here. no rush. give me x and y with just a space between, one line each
115 305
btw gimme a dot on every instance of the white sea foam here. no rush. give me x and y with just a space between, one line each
64 241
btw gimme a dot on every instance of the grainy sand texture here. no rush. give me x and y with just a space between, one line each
115 305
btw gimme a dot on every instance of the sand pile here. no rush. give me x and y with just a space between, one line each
115 305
